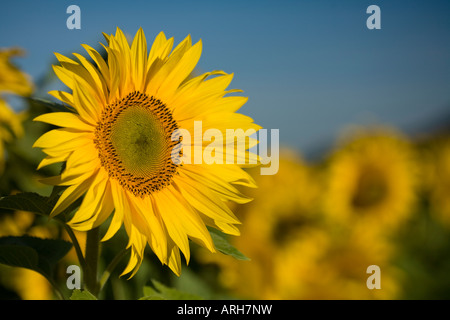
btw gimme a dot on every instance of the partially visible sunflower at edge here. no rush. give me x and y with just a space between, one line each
117 146
436 177
12 81
371 177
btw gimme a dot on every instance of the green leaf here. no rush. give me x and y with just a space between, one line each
82 295
37 254
52 105
19 256
33 202
27 201
162 292
222 244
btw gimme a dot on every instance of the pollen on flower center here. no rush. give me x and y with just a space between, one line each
134 143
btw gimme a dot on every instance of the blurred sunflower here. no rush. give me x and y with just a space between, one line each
371 177
12 81
118 146
436 178
282 210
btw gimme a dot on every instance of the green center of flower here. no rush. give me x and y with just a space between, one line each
139 140
134 140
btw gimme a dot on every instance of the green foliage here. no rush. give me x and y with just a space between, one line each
33 202
27 201
37 254
82 295
222 244
162 292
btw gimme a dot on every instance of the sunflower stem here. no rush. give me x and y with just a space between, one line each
77 247
111 267
92 254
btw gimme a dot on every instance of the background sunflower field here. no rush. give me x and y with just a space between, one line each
364 170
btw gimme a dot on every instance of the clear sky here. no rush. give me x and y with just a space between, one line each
309 68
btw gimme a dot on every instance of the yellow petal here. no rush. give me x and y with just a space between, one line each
180 72
85 104
71 194
52 160
98 59
119 205
96 207
139 59
174 226
100 84
204 201
223 189
169 65
57 137
174 258
63 96
157 237
65 119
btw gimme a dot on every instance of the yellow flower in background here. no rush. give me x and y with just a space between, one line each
282 202
372 176
323 263
12 81
436 178
298 272
296 252
118 145
282 209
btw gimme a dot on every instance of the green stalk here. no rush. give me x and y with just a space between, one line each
92 254
111 267
77 247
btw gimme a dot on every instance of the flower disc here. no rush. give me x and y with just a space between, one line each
134 143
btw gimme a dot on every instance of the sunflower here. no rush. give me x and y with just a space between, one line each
119 148
324 263
12 81
372 176
436 177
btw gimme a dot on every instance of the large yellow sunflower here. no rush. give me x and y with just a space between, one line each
118 145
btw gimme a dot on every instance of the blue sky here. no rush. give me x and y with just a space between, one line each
309 68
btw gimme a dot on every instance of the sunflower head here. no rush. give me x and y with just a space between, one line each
371 176
119 148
